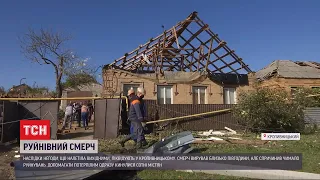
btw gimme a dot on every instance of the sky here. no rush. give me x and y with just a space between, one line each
259 31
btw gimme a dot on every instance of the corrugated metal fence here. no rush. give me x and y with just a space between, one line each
216 121
312 115
13 112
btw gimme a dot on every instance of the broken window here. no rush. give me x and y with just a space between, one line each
126 88
229 95
164 94
199 95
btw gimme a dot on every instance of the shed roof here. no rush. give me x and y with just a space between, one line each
290 69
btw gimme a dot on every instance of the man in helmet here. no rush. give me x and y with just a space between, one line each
135 119
140 93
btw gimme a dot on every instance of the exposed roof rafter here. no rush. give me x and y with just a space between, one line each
188 46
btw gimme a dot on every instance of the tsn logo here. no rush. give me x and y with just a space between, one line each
35 130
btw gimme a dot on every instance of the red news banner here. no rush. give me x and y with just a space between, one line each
35 137
35 130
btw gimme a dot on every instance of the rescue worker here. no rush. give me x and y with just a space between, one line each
135 119
140 93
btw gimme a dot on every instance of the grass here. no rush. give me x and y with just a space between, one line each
309 146
171 174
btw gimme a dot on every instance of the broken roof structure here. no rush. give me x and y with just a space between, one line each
290 69
189 46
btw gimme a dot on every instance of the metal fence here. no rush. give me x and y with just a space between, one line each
312 115
14 111
207 122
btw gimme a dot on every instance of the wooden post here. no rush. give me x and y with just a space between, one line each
208 59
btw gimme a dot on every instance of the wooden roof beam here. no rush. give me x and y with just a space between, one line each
182 25
225 66
203 28
152 40
209 31
195 49
237 69
220 45
223 56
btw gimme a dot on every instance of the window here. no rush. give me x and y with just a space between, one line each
315 87
293 90
229 95
126 88
164 94
199 95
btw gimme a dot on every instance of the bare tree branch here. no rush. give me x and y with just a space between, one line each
46 47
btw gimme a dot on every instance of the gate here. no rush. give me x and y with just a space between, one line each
107 118
14 111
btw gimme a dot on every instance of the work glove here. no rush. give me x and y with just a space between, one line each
143 124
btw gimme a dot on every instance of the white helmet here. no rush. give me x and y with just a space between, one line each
141 90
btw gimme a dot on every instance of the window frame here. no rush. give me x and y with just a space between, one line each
171 93
198 94
129 84
293 89
228 96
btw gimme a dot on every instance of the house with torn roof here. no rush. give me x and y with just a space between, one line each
186 64
290 75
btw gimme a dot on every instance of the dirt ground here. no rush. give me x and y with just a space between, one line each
7 153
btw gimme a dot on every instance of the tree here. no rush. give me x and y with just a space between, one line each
2 91
49 48
79 79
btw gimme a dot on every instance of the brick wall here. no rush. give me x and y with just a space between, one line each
181 92
286 83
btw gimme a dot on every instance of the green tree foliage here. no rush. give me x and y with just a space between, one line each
307 97
79 79
273 110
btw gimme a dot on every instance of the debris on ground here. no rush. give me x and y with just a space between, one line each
214 140
227 132
17 155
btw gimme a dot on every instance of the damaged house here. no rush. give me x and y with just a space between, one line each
290 75
186 64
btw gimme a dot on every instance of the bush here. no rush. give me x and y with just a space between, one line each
269 110
301 97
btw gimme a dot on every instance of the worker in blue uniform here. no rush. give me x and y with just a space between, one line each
140 94
136 118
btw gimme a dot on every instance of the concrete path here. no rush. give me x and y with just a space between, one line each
262 174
